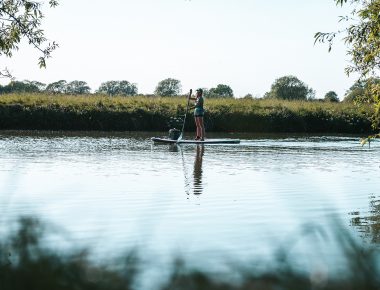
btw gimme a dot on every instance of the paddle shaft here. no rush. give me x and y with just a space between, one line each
184 119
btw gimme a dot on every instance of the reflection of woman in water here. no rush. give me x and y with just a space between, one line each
198 170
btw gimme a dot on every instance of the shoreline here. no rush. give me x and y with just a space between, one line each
157 114
149 134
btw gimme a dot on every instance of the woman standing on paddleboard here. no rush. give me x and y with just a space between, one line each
198 114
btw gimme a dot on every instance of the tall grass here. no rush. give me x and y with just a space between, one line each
96 112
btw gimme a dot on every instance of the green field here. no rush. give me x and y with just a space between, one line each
94 112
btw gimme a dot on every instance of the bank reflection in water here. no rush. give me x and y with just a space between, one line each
368 222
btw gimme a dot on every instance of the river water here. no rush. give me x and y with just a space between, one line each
114 191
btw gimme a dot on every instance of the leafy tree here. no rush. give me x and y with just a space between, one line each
168 88
19 87
128 89
362 37
331 96
290 88
113 88
221 91
360 92
41 86
21 19
355 92
109 88
248 96
77 88
22 87
59 87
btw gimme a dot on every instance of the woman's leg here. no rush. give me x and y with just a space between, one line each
201 127
198 132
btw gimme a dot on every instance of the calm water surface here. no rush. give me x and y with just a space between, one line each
112 192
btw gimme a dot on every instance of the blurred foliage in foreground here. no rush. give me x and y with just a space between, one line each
25 263
140 113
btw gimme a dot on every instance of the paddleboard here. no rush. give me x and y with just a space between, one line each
183 141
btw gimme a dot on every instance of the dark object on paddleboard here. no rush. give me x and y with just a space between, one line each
174 134
183 141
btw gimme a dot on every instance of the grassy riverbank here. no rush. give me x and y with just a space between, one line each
92 112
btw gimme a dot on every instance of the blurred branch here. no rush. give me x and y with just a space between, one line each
5 74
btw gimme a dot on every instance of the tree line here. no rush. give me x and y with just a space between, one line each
76 87
168 87
291 88
284 88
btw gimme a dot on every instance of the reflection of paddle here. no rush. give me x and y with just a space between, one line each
184 119
187 181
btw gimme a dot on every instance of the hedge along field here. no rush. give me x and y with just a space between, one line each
140 113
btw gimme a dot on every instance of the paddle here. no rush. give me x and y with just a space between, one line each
184 119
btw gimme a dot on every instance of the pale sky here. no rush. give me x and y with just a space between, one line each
245 44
